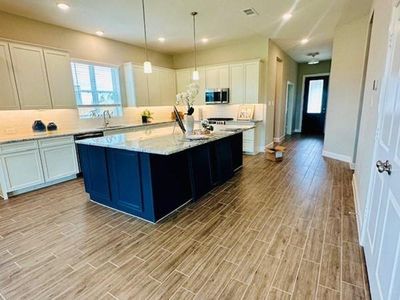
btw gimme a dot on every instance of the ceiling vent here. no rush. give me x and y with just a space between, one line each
250 12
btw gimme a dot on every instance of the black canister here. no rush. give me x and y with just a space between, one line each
38 125
51 126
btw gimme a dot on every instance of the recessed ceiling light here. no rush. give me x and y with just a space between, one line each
161 39
63 6
204 40
287 16
304 41
100 33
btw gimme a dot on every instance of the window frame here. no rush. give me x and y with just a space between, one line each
94 91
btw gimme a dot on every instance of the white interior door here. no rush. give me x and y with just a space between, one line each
382 241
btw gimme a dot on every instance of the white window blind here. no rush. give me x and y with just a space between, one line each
96 89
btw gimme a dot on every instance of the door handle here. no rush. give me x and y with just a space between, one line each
384 167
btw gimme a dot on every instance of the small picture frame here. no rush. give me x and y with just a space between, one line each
246 112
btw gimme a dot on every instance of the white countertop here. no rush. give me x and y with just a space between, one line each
31 135
163 141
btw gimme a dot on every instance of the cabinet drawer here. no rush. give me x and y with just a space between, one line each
18 147
51 142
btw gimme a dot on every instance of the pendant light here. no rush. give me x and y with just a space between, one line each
195 75
147 64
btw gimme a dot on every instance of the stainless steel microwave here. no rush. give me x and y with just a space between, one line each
217 96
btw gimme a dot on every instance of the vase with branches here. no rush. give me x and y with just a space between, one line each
188 98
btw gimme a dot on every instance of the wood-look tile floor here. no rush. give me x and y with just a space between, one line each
275 231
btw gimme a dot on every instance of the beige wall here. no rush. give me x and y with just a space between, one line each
240 50
381 10
348 57
324 67
80 45
289 73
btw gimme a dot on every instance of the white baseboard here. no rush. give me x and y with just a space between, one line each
279 139
357 207
261 149
297 130
336 156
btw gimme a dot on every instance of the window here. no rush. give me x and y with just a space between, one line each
315 94
96 89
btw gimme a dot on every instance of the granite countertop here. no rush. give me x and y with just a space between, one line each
31 135
163 141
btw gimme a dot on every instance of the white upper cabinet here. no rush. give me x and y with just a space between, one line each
155 89
168 87
212 78
237 84
252 82
183 79
217 77
8 90
59 74
135 85
153 80
30 75
223 77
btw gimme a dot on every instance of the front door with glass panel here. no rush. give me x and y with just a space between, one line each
315 101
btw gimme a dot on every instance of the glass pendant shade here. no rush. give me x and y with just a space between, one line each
196 75
147 67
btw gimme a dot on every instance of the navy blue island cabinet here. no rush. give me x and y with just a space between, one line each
151 186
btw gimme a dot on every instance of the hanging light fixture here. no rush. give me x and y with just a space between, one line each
147 64
313 60
195 75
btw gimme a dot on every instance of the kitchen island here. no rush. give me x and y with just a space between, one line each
153 172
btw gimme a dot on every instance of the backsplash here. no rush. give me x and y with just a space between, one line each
20 121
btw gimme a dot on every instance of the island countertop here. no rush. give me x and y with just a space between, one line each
163 141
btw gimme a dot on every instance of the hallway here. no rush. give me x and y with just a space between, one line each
276 230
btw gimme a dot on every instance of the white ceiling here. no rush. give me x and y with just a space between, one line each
221 21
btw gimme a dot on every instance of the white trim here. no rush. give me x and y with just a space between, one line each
357 208
279 139
287 104
297 130
302 95
261 149
336 156
352 165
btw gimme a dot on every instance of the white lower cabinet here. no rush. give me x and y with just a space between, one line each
32 164
22 169
58 158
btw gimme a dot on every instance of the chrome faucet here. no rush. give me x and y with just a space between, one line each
106 117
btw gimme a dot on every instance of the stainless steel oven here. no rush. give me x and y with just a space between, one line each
217 96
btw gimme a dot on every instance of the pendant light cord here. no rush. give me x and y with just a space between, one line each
194 40
145 31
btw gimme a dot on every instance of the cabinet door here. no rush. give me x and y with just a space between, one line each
212 78
237 84
183 79
153 80
168 87
200 98
8 89
223 77
59 162
252 81
30 76
59 73
140 85
22 169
